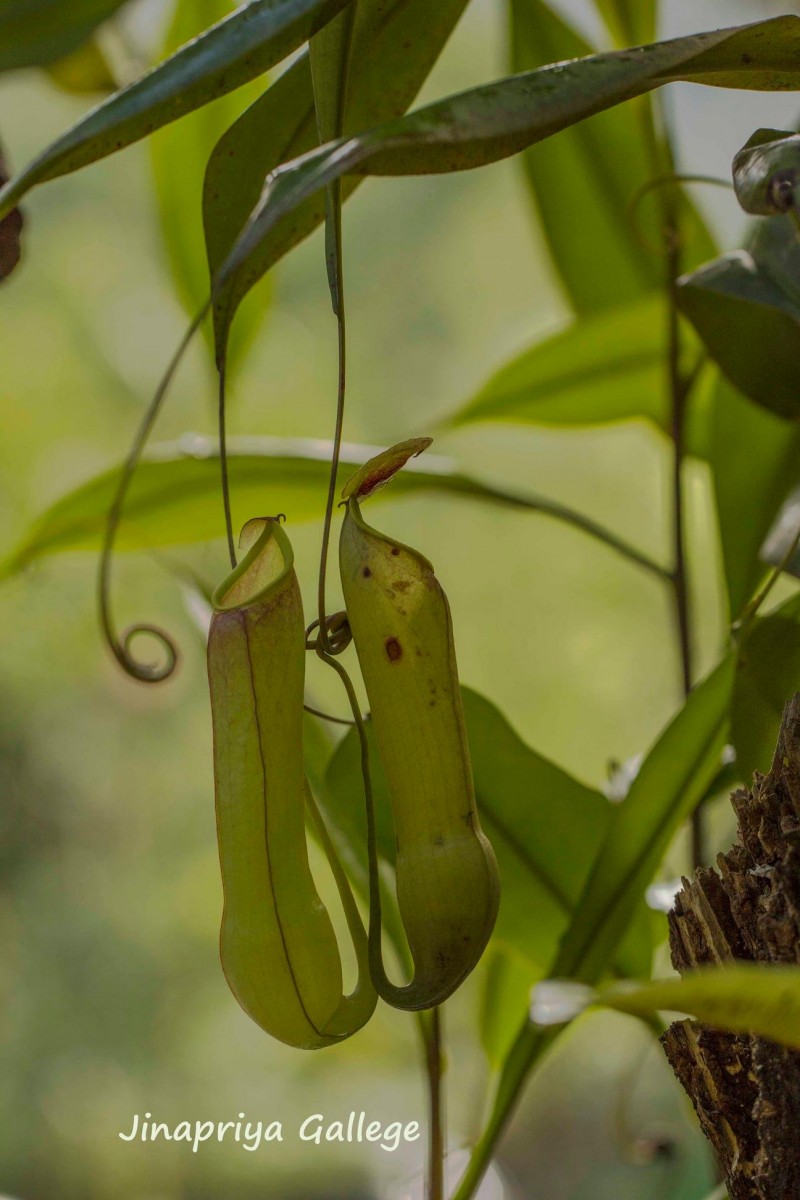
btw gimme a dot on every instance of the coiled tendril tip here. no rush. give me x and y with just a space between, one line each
147 672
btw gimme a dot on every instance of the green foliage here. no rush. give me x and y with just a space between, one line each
37 32
174 496
505 1002
631 22
230 54
392 54
84 71
768 673
605 367
180 153
755 460
746 308
545 827
491 122
672 780
584 179
746 998
250 173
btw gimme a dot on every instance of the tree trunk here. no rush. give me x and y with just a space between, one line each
746 1090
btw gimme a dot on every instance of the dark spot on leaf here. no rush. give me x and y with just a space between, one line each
366 572
393 649
747 58
395 550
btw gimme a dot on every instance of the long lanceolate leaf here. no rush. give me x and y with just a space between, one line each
174 496
583 179
180 153
254 38
496 120
586 180
750 998
672 780
606 366
393 51
629 21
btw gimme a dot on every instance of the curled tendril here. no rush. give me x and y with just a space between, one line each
150 673
338 634
634 205
120 646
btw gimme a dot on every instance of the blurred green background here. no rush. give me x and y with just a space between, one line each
113 999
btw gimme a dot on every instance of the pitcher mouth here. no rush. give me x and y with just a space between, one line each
265 566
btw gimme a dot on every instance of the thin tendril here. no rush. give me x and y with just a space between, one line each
223 466
632 209
120 644
375 920
316 712
335 219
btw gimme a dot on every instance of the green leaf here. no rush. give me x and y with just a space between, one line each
584 178
755 460
253 39
180 154
341 793
330 52
673 778
505 1002
766 171
174 495
391 56
753 998
781 537
745 306
84 71
768 674
34 33
630 22
601 368
329 55
499 119
545 827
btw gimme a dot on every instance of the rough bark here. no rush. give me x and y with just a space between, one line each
746 1090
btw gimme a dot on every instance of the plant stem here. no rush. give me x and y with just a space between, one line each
680 587
223 463
661 155
435 1065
